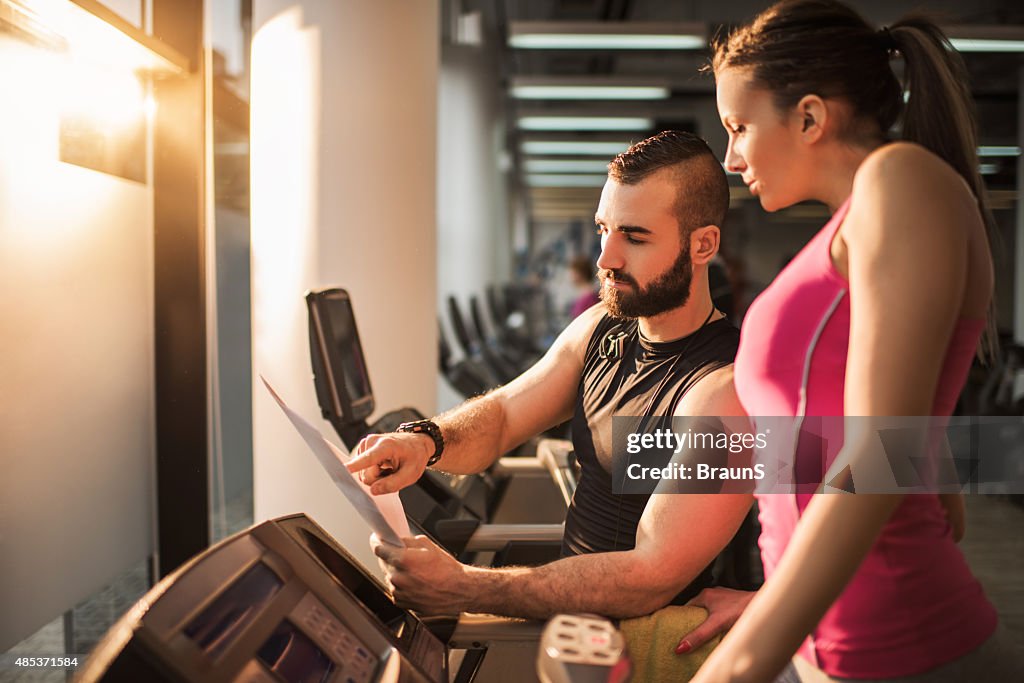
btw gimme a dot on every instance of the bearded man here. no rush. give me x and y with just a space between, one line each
654 348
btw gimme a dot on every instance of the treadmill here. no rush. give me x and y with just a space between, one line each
454 510
477 348
464 375
283 602
280 601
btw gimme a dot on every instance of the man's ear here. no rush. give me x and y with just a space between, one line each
814 117
704 243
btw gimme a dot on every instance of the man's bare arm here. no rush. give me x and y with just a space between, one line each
678 536
688 532
480 430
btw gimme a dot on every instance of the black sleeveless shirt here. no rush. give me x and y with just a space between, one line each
646 379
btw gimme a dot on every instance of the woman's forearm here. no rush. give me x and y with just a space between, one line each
834 535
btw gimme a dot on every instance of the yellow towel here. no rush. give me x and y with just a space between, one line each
652 644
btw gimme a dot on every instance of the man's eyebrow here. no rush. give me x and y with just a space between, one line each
628 229
634 230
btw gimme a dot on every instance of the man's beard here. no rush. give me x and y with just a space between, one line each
669 290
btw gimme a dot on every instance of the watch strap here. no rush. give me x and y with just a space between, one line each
429 428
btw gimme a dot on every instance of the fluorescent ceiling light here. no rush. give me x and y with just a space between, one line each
982 38
988 169
604 41
565 180
585 123
606 35
998 151
565 166
589 92
604 149
987 45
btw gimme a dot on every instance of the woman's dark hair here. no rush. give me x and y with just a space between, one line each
799 47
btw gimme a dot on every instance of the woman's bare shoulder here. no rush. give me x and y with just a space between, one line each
906 186
907 168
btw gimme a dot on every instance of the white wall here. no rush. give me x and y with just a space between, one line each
344 125
474 236
76 359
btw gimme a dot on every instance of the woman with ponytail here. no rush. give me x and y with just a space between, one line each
879 315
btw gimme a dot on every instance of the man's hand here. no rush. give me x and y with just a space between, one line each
724 606
389 462
422 576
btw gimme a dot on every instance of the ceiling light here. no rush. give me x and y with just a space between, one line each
982 38
565 166
585 123
604 35
604 41
589 92
987 45
998 151
565 180
603 149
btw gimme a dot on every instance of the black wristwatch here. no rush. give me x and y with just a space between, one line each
430 429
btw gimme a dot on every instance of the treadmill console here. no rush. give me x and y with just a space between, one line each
346 399
280 602
339 367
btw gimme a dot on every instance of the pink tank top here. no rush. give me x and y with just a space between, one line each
913 604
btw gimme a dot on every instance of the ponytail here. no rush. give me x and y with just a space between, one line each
939 115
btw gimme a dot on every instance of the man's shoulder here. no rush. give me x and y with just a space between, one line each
582 330
713 394
714 382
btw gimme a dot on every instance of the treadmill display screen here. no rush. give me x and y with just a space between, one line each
291 654
223 620
343 329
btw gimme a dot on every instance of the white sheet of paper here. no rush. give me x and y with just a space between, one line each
385 514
